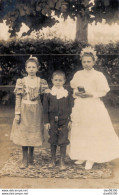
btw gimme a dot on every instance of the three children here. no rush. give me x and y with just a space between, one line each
92 135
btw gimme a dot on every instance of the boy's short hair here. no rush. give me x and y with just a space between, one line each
59 72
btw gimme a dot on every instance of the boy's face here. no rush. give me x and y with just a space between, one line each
31 68
58 81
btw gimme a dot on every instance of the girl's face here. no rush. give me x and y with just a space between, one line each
87 62
31 68
58 81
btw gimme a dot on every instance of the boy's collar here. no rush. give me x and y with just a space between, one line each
55 88
59 93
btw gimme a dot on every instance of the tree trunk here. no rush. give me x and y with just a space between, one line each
81 29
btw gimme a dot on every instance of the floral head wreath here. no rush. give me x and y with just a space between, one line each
88 51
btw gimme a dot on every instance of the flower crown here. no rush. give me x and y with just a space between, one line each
88 50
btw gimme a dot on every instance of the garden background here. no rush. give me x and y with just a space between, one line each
37 27
54 55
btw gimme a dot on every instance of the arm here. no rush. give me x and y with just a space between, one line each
102 87
46 111
18 108
18 92
44 87
75 84
18 104
71 104
74 81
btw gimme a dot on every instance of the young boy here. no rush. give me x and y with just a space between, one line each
57 109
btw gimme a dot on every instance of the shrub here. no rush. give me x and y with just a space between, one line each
55 54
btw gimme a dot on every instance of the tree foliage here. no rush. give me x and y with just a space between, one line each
38 13
34 14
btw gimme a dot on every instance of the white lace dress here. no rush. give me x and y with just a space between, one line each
92 135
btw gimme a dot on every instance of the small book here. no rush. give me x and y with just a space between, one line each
81 89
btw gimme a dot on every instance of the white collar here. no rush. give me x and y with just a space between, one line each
59 93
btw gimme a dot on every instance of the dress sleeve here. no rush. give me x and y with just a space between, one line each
74 82
44 86
19 88
18 92
102 86
46 108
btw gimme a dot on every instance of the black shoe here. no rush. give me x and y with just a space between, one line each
62 165
31 156
31 159
52 164
24 164
63 154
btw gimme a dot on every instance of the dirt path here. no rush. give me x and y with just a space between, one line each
6 148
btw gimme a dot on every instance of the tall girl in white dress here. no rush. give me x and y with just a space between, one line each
93 138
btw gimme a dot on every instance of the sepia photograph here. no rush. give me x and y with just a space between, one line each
59 95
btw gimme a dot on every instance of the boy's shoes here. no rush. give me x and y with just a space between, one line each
52 164
24 165
31 166
89 165
62 165
31 159
79 162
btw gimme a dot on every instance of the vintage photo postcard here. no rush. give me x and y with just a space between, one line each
59 95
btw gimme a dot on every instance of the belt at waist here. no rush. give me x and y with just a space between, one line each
58 118
29 101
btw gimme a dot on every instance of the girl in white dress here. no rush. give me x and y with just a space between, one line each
93 138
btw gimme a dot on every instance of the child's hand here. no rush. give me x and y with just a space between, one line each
78 93
86 95
47 126
83 95
43 139
69 125
17 118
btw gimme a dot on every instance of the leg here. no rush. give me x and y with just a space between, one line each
62 157
25 157
53 142
31 157
53 155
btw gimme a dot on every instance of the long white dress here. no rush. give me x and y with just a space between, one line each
92 135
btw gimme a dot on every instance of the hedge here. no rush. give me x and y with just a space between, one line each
55 54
